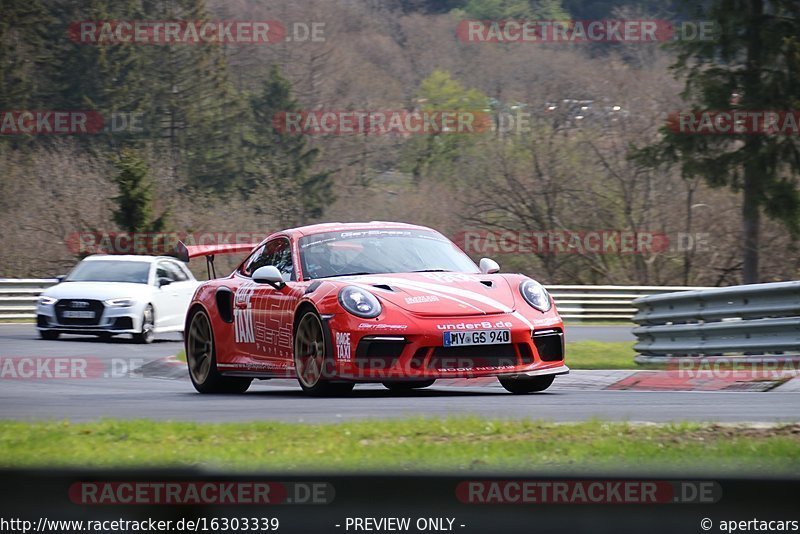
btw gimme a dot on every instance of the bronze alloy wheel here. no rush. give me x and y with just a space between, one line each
310 358
201 360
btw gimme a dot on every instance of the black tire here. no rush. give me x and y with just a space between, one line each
148 323
201 359
311 360
531 384
49 335
401 386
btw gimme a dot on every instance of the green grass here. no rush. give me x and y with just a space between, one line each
600 355
409 444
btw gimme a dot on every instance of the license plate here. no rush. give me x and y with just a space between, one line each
477 337
72 314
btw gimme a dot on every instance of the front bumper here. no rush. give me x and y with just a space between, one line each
372 351
111 320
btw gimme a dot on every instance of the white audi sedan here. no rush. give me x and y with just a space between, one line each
109 295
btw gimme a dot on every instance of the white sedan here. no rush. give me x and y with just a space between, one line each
108 295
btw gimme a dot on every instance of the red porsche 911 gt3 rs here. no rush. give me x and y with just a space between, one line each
337 304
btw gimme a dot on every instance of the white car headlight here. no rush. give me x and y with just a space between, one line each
359 302
536 295
120 303
47 301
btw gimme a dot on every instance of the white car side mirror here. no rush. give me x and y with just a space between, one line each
489 266
268 274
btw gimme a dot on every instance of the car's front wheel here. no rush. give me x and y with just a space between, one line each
201 357
311 361
49 335
148 324
530 384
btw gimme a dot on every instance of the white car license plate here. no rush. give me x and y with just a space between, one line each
477 337
72 314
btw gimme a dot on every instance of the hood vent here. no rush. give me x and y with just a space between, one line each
385 287
487 283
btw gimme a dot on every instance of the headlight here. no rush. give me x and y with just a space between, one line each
47 301
359 302
536 295
120 303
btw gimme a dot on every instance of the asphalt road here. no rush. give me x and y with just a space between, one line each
111 391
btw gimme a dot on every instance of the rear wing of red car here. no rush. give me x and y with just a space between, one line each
186 252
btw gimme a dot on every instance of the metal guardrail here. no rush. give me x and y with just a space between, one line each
18 296
612 303
751 320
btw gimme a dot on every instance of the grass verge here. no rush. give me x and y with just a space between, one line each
409 444
600 355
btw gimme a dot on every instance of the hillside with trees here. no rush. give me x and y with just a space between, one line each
199 151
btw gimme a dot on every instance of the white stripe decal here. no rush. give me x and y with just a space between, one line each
427 291
424 286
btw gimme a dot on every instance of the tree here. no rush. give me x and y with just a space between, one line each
134 211
752 65
22 50
282 160
432 152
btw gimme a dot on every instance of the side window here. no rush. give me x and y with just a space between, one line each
253 262
282 258
277 253
163 272
176 273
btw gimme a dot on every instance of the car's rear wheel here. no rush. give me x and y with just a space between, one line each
311 359
400 386
49 335
530 384
202 361
148 323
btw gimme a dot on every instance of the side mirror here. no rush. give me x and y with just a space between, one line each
489 266
61 277
164 282
268 274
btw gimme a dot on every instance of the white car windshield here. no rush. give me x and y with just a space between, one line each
133 272
379 252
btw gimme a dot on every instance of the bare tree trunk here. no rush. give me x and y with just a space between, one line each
752 166
750 226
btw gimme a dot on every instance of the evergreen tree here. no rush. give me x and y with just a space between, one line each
134 211
22 52
752 65
282 160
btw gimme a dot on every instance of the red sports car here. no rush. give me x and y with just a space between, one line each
337 304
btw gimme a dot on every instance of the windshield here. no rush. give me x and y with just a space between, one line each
134 272
378 252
